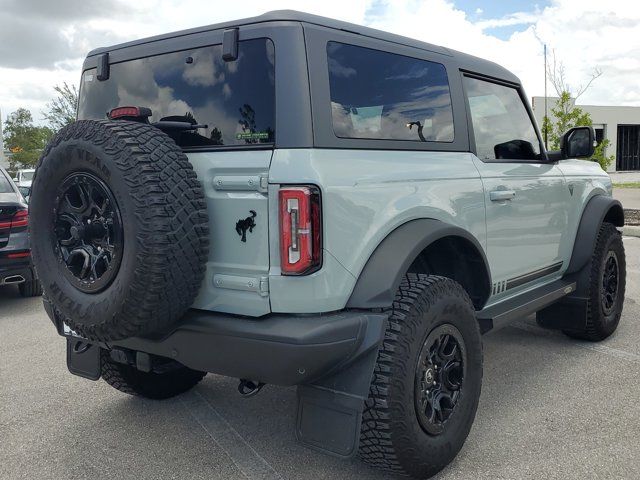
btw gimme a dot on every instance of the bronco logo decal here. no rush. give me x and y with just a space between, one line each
245 224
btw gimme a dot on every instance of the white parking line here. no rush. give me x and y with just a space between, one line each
243 455
614 352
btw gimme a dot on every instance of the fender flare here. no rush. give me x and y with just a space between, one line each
595 212
379 280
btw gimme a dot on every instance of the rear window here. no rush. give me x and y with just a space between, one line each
380 95
5 184
236 100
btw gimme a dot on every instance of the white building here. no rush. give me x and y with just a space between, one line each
621 125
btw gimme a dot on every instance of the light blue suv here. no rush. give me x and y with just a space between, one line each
293 200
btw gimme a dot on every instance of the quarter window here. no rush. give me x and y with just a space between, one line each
379 95
501 125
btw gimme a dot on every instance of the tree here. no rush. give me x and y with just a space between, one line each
24 139
61 111
565 114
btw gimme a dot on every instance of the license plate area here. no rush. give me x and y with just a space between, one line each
83 358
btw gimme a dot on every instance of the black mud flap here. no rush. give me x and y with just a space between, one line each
83 359
330 409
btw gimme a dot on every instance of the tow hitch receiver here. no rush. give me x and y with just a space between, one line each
249 388
83 359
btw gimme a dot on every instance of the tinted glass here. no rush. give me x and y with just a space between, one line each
380 95
236 100
501 124
5 184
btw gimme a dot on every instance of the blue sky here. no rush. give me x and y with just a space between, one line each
495 9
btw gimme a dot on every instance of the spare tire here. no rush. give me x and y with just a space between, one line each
119 229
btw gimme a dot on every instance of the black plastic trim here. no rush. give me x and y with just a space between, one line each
230 45
593 215
531 276
278 349
102 71
379 280
501 314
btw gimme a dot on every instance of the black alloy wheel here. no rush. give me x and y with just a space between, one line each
88 232
439 377
610 282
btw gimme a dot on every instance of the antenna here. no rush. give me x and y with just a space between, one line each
546 143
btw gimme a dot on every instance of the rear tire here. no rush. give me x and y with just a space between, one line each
397 432
30 288
607 281
156 386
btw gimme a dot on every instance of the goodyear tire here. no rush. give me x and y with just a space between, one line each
427 380
119 229
606 287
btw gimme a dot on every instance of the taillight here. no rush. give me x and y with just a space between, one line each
300 230
19 219
137 113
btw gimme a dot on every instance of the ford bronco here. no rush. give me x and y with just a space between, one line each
293 200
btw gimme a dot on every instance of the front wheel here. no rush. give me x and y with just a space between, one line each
427 380
606 287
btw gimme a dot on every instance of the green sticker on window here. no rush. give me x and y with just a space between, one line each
252 136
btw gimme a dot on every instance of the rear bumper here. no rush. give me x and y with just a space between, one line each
15 271
277 349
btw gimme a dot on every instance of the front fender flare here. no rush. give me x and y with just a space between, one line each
595 212
381 276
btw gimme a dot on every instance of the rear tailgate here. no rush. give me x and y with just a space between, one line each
235 185
230 102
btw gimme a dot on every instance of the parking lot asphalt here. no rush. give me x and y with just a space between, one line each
551 408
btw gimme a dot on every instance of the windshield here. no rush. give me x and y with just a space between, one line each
26 175
235 100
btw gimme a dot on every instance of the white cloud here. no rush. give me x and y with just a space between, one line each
583 33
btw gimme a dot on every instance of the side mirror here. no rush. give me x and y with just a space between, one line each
578 142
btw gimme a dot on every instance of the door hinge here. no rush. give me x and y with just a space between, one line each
259 183
260 285
264 287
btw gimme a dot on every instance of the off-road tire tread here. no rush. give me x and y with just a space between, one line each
592 331
415 293
170 208
155 386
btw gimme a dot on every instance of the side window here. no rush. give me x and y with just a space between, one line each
501 125
379 95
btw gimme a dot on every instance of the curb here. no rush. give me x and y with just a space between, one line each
631 230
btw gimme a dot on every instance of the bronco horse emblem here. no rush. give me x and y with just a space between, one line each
246 224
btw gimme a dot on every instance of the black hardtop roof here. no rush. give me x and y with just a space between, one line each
465 61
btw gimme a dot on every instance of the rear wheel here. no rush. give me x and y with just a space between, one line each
30 288
607 282
176 378
427 380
